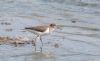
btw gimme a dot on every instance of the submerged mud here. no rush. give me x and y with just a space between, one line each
14 41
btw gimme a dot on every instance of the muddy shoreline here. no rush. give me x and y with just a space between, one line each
13 41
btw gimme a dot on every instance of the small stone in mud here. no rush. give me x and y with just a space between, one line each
56 45
73 21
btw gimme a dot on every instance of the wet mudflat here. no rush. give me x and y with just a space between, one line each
77 40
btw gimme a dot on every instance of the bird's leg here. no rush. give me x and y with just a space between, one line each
41 43
34 42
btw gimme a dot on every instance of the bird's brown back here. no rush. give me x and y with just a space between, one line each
37 28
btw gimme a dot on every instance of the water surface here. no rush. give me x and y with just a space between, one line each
77 41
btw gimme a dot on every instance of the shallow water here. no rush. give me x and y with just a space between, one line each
79 41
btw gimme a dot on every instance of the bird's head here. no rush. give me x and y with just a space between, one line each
52 25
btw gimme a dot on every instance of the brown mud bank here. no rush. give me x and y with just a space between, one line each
16 41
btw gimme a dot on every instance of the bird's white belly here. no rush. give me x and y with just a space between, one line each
47 31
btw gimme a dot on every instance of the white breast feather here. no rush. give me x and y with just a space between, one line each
47 31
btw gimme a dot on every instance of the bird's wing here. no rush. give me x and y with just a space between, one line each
37 28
